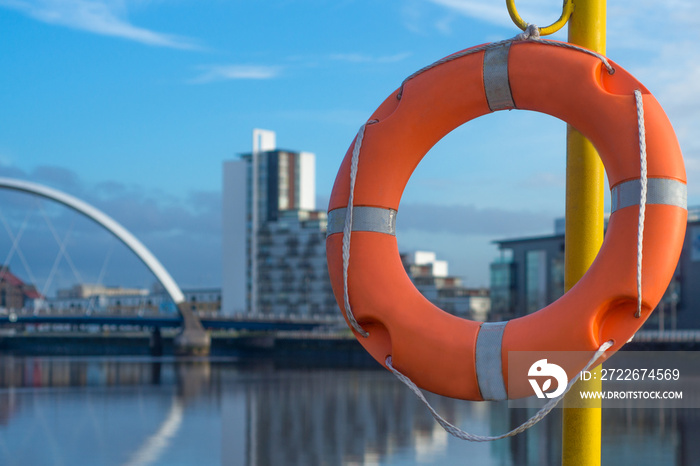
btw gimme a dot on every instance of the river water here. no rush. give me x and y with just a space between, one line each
162 411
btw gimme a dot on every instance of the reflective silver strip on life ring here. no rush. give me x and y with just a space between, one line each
496 83
376 219
659 191
489 370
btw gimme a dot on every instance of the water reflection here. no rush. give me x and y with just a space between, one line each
165 411
159 442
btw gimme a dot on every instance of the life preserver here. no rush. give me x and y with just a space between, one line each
449 355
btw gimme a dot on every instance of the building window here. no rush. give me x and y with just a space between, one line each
556 277
535 280
502 288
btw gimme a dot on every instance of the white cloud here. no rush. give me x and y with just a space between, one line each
540 12
649 24
491 12
6 159
544 180
211 73
469 219
104 17
336 116
666 62
412 17
424 16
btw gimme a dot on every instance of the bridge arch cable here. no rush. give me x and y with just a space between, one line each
15 244
62 251
16 248
101 276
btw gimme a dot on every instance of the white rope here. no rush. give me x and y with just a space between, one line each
347 228
642 196
460 434
532 33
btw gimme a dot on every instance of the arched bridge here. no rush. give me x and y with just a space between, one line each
193 336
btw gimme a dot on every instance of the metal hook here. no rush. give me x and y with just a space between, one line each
567 9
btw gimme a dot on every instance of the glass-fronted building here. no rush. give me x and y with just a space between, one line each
529 274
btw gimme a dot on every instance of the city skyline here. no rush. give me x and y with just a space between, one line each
134 106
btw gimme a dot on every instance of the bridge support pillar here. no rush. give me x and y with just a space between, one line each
193 340
156 343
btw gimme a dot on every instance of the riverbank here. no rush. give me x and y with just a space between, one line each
289 348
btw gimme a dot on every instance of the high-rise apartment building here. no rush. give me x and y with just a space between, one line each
269 192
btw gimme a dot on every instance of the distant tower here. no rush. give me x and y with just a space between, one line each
256 189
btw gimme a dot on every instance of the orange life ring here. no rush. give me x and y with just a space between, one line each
439 351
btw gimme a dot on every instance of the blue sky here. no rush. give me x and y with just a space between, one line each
133 105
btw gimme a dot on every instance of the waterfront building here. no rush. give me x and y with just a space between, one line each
204 301
273 236
114 304
15 294
431 277
529 274
86 290
108 300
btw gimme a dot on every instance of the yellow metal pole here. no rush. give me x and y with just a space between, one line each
585 184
